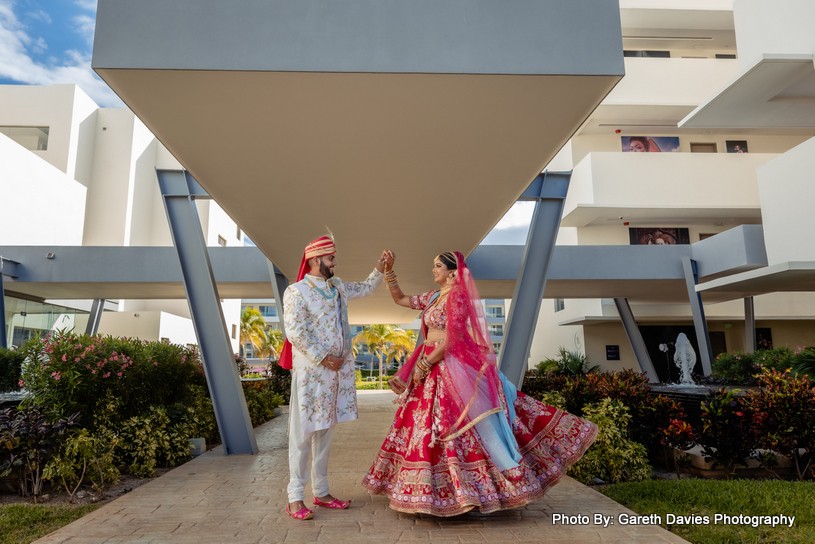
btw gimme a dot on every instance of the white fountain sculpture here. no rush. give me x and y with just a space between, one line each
684 358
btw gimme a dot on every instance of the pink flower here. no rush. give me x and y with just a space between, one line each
106 374
88 365
155 363
57 377
76 359
93 371
20 383
64 358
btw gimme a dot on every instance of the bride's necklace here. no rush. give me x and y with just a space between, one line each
443 292
327 296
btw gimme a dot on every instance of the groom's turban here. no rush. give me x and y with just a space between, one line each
318 248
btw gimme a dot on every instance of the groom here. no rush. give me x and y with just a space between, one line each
318 350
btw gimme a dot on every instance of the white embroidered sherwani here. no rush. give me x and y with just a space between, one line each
315 327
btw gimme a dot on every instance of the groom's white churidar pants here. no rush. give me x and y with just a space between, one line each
318 443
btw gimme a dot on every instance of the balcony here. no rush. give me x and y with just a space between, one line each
664 188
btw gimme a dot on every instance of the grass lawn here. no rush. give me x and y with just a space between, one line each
24 523
734 497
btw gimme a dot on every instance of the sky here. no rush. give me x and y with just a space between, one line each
43 42
50 41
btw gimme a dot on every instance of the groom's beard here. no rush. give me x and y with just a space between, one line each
325 271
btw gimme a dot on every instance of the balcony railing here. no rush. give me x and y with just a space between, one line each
661 187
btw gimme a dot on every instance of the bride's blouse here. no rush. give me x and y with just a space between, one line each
435 317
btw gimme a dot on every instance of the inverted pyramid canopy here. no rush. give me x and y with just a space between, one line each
405 125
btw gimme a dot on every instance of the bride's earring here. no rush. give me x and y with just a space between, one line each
451 278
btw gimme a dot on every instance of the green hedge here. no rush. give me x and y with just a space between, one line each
10 368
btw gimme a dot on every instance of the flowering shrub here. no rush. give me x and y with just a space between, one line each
679 435
784 417
72 373
725 436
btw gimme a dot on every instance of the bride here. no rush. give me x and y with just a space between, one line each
463 436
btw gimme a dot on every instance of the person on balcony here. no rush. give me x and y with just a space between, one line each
318 351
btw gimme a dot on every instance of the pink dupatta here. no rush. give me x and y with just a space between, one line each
470 372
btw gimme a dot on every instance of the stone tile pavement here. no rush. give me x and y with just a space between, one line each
240 499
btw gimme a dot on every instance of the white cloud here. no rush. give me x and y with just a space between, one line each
89 5
85 25
39 16
519 215
16 62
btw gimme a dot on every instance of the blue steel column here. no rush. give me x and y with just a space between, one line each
632 331
749 325
549 191
95 316
279 285
7 268
698 311
179 189
3 331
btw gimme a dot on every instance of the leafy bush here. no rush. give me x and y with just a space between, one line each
553 399
783 411
740 368
72 373
84 454
150 440
10 368
31 436
613 457
261 400
569 363
725 436
279 382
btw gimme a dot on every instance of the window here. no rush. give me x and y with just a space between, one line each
268 311
239 233
221 241
725 56
560 304
496 330
496 346
703 148
495 311
31 138
234 331
652 54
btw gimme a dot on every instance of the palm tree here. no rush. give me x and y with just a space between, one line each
376 337
401 343
271 343
253 328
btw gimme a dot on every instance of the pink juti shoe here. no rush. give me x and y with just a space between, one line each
302 514
336 503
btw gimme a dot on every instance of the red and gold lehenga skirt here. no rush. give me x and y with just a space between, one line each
453 477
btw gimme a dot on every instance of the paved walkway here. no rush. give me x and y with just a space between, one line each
240 499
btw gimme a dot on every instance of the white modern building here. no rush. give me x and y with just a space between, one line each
728 88
74 174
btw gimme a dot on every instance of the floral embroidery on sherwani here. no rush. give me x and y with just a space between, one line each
314 326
